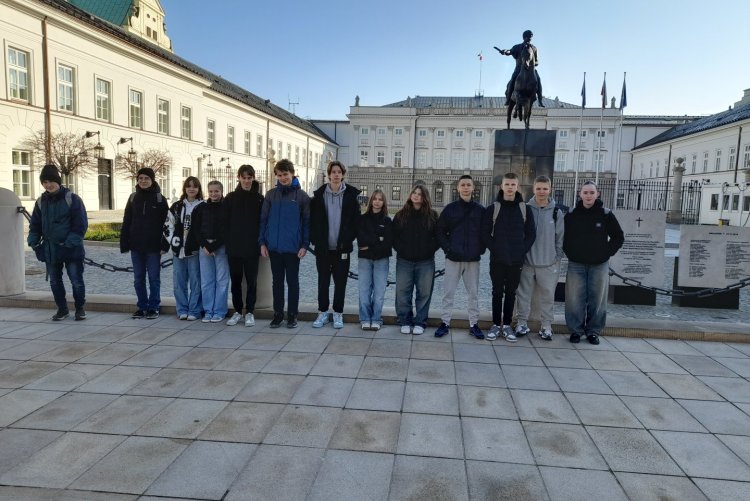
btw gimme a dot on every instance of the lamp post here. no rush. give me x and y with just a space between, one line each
132 155
98 149
674 215
227 174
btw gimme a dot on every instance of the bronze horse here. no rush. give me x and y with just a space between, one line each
524 89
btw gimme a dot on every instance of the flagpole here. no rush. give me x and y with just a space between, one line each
480 92
577 149
601 126
623 103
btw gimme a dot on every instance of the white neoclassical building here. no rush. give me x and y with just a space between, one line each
106 69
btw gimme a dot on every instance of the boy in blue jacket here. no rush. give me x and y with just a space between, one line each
284 237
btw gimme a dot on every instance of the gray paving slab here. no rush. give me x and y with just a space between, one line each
6 343
308 344
277 473
480 353
714 349
479 374
61 462
486 402
70 351
267 341
673 347
24 373
545 406
73 332
30 349
565 484
111 334
384 368
157 356
738 445
602 410
568 445
19 403
633 384
701 365
66 412
244 422
35 330
304 426
723 489
395 348
202 358
218 385
428 350
347 475
655 362
428 479
742 347
182 418
608 360
636 451
245 361
148 335
732 389
8 364
718 417
291 363
632 345
580 381
495 440
684 386
337 365
431 398
529 378
187 337
659 487
270 388
205 470
18 445
376 395
348 346
125 415
703 455
167 382
373 431
518 356
505 481
430 435
431 371
323 391
113 354
132 466
740 366
662 414
571 359
45 494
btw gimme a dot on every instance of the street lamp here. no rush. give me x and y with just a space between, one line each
98 149
132 155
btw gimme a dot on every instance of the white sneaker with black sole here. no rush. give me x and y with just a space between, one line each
234 318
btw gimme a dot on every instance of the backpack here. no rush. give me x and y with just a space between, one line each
158 197
521 205
68 199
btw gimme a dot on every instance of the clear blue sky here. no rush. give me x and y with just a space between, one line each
681 56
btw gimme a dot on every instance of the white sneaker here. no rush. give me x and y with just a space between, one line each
508 334
249 320
418 330
235 318
546 333
183 316
192 318
366 326
206 319
321 320
406 329
375 326
492 333
338 320
522 329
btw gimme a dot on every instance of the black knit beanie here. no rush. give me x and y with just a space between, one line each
50 173
147 171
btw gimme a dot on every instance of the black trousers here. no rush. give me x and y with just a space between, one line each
285 266
333 265
247 268
505 279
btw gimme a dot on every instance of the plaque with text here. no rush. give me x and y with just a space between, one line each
641 257
713 256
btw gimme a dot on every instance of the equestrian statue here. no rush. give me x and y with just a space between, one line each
524 85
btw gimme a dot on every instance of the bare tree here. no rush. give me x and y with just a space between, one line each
71 153
158 160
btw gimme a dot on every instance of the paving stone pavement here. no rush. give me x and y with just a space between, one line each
118 409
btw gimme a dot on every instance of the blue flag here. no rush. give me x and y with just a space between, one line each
623 95
583 92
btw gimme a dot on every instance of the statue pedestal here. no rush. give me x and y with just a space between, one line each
12 272
729 300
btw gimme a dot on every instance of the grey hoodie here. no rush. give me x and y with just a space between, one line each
548 246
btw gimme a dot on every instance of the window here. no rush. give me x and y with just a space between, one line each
259 146
694 163
438 192
288 151
248 139
296 155
317 160
396 193
458 160
582 163
18 74
21 173
439 159
135 99
746 157
477 159
746 203
715 201
562 159
363 158
478 134
364 131
563 134
163 116
397 155
422 133
601 134
103 101
717 161
599 160
211 134
725 202
441 133
363 191
735 202
304 156
230 138
732 157
705 161
380 157
186 122
398 131
421 159
584 133
459 133
381 131
186 172
279 150
65 95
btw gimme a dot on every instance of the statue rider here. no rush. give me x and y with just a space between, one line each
516 52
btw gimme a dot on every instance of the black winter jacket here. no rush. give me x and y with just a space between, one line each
412 240
56 230
350 213
592 235
242 221
175 229
375 231
208 224
459 231
512 238
143 222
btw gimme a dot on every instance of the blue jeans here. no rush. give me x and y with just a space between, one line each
411 276
186 273
147 263
586 297
285 265
373 279
215 282
75 274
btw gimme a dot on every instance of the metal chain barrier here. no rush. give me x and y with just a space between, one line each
439 273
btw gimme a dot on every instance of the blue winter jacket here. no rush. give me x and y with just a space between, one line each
285 219
57 229
510 238
459 231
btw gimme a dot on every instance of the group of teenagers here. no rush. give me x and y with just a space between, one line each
217 241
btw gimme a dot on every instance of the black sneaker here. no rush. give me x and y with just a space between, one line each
60 315
442 330
575 338
152 314
476 332
80 314
291 322
592 338
277 319
139 314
